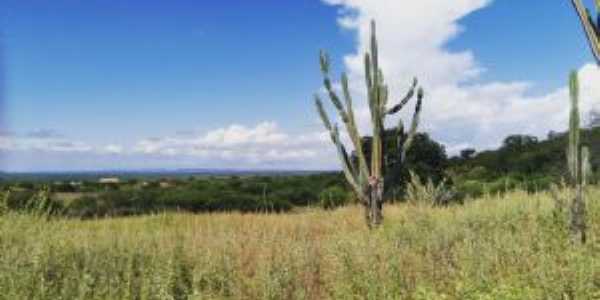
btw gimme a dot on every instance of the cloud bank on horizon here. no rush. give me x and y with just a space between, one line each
459 109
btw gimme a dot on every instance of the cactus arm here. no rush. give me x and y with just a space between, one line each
384 99
354 133
585 165
368 76
383 94
593 23
335 99
347 166
398 107
370 84
413 127
323 113
399 133
375 87
573 148
588 27
347 115
374 54
377 145
347 95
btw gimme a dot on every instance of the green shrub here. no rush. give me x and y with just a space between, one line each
502 185
29 201
470 188
333 197
113 203
478 173
537 184
184 199
19 199
85 207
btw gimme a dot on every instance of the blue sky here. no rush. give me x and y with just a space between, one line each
86 69
527 41
167 84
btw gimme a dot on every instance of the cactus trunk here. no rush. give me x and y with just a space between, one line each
367 181
374 204
578 163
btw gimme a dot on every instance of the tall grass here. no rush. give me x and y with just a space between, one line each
504 247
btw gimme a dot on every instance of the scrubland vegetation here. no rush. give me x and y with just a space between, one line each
514 246
90 199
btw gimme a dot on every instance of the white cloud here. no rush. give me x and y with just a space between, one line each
113 149
457 109
50 141
411 36
6 142
45 143
260 145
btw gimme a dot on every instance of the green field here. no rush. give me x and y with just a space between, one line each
506 247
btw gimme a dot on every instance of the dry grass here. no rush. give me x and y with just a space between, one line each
506 248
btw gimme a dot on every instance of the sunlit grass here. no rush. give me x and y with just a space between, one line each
510 247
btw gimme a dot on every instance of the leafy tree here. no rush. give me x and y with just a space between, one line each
467 153
333 197
427 158
518 142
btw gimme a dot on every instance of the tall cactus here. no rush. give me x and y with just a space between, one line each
578 164
367 178
591 28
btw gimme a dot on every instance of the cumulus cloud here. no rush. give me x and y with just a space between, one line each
50 141
113 149
263 144
43 144
459 110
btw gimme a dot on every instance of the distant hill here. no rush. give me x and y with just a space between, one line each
144 174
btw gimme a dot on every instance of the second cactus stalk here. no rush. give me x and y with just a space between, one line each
578 164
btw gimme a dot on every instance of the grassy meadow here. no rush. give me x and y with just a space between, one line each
497 247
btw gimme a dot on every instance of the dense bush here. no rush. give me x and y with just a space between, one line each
502 185
32 201
252 194
334 197
85 207
471 188
113 203
185 199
